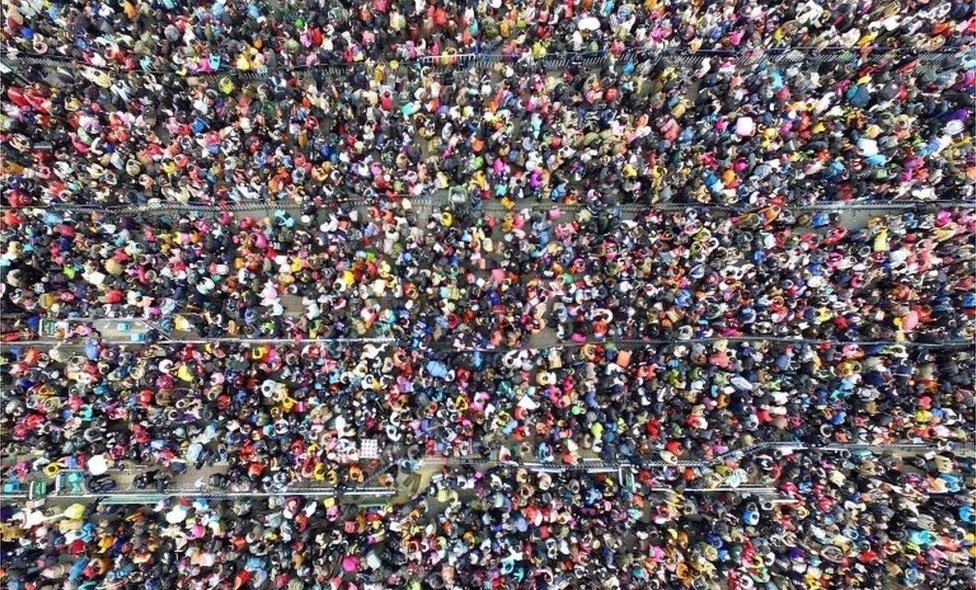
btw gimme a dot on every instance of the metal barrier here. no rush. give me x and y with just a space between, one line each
708 340
69 484
679 57
686 58
446 347
600 466
117 495
246 207
182 342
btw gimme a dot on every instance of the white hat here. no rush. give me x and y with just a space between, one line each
176 515
97 465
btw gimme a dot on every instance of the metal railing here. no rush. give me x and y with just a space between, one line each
217 340
681 57
78 491
448 347
632 343
163 208
559 60
597 465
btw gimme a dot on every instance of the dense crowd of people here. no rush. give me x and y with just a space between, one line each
581 273
883 118
288 413
164 34
476 279
859 522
